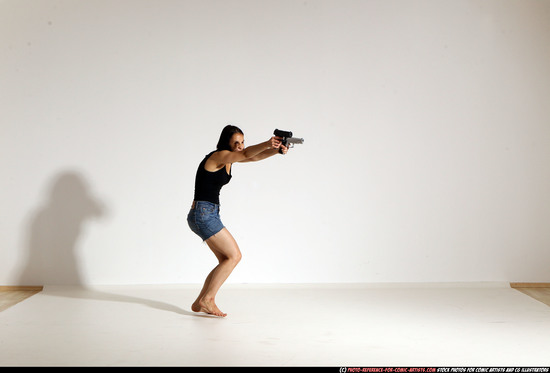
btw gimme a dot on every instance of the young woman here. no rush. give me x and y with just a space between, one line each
214 172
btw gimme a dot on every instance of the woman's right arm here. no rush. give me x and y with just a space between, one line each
224 157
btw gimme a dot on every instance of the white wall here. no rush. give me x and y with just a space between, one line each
427 128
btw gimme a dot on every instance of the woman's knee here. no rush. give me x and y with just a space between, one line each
225 247
232 259
236 257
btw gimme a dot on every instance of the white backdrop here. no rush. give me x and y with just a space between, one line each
426 126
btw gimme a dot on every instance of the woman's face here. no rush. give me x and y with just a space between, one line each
237 142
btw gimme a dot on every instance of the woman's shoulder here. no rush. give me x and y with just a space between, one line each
207 156
214 161
216 154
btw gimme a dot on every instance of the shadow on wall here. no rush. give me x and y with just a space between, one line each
54 231
52 244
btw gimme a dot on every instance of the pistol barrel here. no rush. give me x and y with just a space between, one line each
295 140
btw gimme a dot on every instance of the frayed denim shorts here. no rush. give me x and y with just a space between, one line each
204 219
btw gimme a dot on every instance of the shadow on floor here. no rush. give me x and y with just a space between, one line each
82 292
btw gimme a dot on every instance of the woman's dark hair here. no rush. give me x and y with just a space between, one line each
225 137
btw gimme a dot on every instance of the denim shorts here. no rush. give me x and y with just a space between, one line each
204 219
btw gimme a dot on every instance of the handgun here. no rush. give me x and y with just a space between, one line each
287 140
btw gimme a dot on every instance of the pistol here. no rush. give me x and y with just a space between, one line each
287 140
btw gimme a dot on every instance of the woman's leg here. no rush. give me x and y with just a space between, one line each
224 246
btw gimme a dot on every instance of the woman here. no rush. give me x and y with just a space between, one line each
214 172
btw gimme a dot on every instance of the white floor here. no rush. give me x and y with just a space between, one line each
278 325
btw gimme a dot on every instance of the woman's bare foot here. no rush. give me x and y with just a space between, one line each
207 306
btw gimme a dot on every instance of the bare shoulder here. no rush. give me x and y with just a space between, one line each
214 162
222 158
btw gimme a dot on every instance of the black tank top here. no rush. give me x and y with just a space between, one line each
208 184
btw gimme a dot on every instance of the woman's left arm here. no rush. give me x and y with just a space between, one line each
266 154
